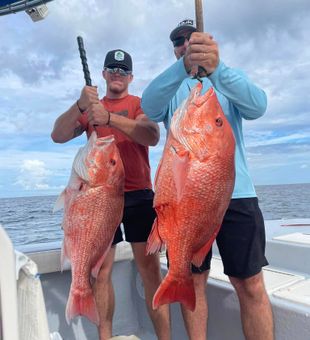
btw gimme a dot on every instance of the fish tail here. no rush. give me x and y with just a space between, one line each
82 304
173 289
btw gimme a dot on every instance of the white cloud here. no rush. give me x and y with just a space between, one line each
41 76
33 175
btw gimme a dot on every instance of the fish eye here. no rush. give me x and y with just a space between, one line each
112 161
218 122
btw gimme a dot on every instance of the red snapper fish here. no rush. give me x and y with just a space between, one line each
93 205
193 187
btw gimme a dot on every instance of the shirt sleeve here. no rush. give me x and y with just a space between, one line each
158 94
250 100
138 109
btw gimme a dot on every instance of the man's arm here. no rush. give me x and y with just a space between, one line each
141 130
158 94
250 100
67 126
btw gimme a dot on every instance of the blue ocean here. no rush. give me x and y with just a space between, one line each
31 220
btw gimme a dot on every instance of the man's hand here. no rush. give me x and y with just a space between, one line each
89 96
97 114
203 51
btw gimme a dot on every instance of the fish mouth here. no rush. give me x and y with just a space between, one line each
105 140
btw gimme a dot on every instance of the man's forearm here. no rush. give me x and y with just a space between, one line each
67 126
250 100
140 130
157 96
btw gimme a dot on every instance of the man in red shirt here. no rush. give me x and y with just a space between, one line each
120 114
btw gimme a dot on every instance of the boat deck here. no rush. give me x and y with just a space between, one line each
287 280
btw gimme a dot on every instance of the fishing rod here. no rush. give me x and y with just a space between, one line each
84 64
199 15
84 61
199 26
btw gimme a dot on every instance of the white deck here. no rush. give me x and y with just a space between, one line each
300 238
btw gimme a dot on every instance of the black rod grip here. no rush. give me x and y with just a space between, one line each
200 28
84 61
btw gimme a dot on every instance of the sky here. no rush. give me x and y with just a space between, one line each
41 77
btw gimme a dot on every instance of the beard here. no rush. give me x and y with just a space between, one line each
117 88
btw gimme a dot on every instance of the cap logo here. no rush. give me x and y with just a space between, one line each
119 55
186 22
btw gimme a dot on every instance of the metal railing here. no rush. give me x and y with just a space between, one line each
22 5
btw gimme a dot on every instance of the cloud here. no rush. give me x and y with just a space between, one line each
33 175
41 76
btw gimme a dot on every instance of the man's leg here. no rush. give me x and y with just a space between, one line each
149 269
255 308
104 295
196 321
241 242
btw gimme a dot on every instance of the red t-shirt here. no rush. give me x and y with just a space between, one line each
135 156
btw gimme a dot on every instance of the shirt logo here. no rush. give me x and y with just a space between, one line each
123 113
119 55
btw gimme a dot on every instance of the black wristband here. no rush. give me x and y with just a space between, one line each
77 104
108 122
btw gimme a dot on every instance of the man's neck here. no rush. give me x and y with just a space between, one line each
113 95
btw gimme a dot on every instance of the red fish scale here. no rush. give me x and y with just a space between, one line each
89 228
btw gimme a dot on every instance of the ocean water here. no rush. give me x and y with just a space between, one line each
31 220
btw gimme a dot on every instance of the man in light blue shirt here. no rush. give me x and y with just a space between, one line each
241 240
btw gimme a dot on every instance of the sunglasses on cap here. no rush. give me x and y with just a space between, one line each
118 70
179 41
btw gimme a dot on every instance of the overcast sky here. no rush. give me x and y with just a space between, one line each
41 76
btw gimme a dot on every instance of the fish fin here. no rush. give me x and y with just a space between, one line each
82 304
79 165
154 241
157 172
180 166
65 255
200 255
173 290
96 268
60 202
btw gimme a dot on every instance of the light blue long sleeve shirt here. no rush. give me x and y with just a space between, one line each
238 96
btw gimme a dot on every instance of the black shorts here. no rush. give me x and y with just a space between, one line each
138 217
241 240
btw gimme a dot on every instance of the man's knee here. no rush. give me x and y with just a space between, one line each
151 266
200 280
105 271
252 287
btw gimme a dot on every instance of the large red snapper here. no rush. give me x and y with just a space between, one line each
93 207
193 187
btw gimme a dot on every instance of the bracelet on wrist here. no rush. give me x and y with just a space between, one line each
108 121
78 106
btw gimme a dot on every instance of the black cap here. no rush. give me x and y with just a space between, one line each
186 25
118 58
